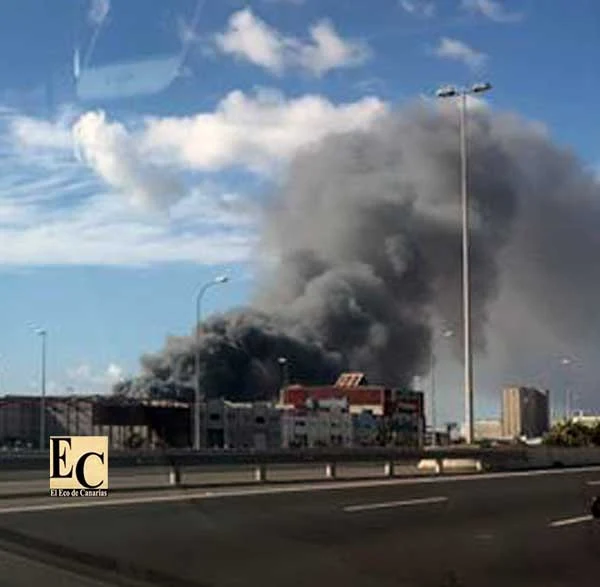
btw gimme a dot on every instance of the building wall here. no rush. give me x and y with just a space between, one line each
488 429
525 412
65 415
223 424
240 425
261 425
364 397
316 427
366 427
399 414
511 413
19 422
381 401
405 419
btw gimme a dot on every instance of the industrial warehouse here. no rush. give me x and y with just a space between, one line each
350 412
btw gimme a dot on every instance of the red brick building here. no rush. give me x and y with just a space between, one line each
361 396
400 411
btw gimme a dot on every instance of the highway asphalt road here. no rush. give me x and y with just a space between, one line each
524 529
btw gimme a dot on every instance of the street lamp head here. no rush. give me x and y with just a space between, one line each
481 87
447 333
282 360
35 328
221 279
447 92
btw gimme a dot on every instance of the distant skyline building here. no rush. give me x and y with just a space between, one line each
525 412
488 429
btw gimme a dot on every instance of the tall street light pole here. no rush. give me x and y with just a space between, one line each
197 400
462 93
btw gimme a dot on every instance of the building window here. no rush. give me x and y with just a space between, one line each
260 419
214 417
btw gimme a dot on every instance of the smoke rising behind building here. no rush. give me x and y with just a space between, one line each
363 235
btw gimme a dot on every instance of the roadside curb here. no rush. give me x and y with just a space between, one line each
46 493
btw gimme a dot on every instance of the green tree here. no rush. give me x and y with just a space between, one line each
573 434
595 434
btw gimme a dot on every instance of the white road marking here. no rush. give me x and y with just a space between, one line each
593 483
393 504
570 521
296 488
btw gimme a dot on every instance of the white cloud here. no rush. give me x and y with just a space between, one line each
79 372
56 210
98 11
84 375
460 51
418 7
329 51
106 147
113 154
251 39
114 372
491 9
256 131
35 133
96 235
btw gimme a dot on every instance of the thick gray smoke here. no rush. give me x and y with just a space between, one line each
238 359
365 237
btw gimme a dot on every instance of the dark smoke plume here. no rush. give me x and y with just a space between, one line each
238 356
365 232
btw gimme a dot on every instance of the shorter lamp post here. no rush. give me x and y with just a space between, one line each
445 334
216 281
283 372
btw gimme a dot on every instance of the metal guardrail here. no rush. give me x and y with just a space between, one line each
176 468
36 460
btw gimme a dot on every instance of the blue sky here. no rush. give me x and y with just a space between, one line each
117 199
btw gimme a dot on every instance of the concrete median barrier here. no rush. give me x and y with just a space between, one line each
551 456
439 466
186 470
